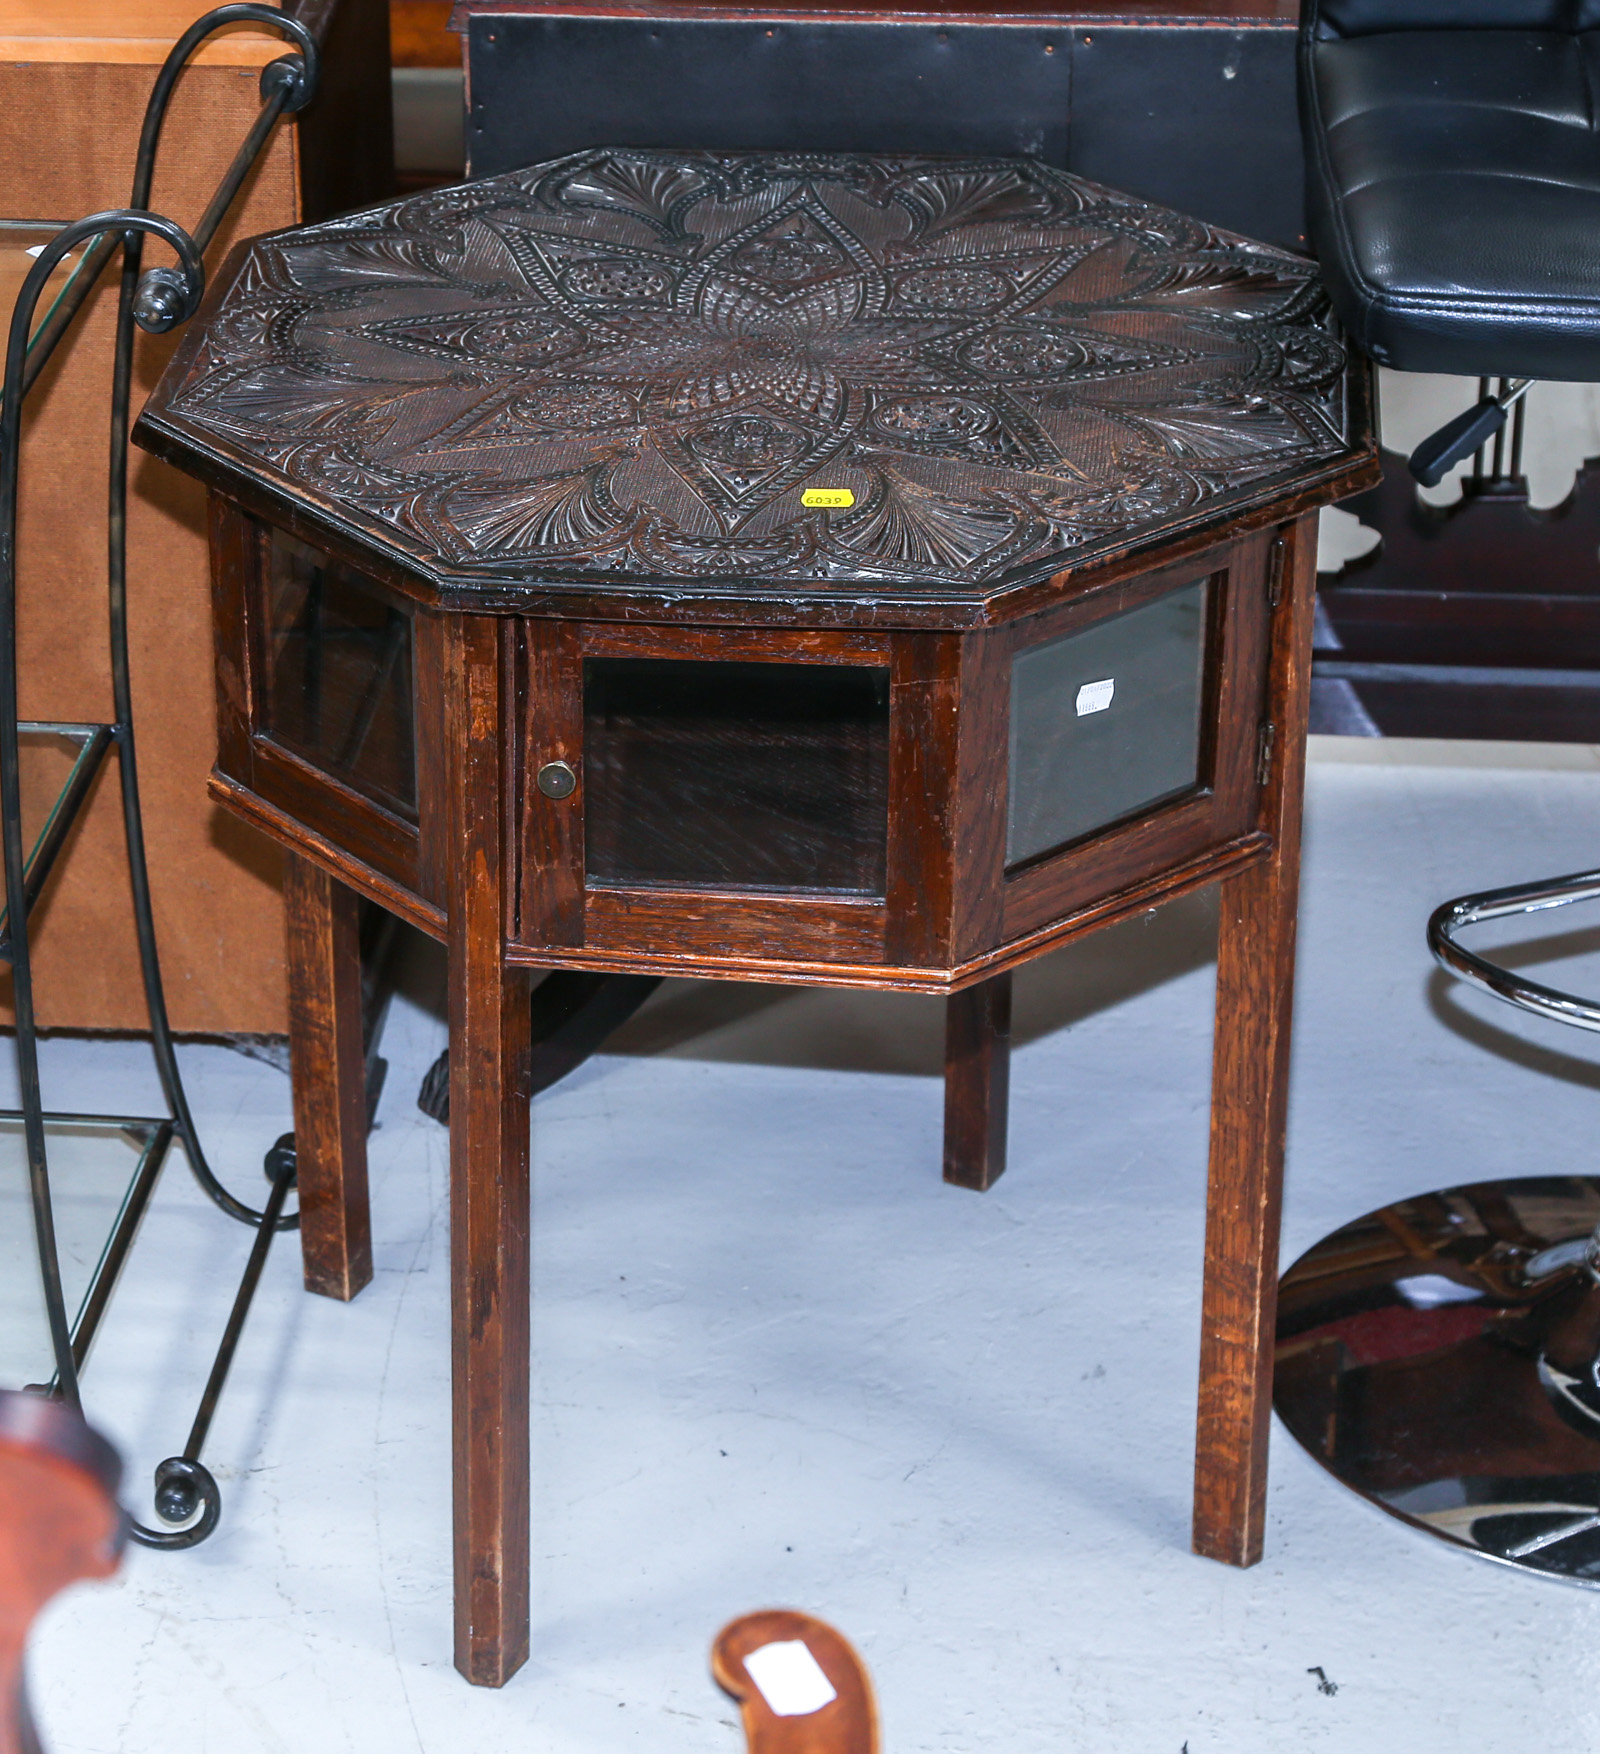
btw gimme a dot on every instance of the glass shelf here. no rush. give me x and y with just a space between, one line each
18 239
102 1173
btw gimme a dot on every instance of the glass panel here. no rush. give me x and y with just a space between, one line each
19 239
338 684
1106 722
763 776
57 765
93 1167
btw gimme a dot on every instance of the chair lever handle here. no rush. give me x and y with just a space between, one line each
1440 451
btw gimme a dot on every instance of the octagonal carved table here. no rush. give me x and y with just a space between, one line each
846 571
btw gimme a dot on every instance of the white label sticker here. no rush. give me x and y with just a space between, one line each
790 1678
37 250
1095 697
1434 1291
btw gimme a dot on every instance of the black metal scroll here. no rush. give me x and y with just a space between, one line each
155 299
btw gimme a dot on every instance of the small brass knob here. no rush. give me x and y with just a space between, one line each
557 780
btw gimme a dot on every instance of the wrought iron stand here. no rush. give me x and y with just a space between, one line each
187 1500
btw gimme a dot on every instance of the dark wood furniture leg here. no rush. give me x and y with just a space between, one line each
489 1191
328 1066
1249 1094
574 1014
977 1082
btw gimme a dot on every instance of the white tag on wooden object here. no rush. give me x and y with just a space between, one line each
1095 697
790 1679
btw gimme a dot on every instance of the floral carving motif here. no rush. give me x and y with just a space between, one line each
748 441
630 365
921 418
954 289
619 280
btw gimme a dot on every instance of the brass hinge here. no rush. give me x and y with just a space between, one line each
1277 558
1264 741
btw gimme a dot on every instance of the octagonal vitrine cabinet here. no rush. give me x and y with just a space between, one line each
844 570
900 807
882 551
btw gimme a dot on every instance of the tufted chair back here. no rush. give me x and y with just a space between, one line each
1453 180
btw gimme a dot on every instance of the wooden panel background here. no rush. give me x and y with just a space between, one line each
68 130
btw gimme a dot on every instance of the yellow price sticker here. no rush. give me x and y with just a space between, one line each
827 496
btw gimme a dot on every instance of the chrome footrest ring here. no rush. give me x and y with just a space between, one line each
1491 977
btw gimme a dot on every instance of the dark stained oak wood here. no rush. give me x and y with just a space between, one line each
847 1724
987 521
59 1523
247 754
980 797
368 832
588 516
977 1083
733 645
489 1176
1250 1079
1075 878
235 569
924 720
711 926
1136 896
1317 485
328 1070
547 699
1223 805
1253 579
311 844
433 779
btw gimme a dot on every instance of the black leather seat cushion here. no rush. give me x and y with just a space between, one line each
1454 196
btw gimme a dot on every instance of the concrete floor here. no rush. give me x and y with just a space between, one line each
777 1362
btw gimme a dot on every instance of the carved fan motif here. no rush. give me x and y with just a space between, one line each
632 365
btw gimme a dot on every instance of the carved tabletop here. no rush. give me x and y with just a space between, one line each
629 368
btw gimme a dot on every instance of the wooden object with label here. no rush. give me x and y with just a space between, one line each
59 1523
851 571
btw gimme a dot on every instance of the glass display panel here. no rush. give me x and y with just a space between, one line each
19 240
338 682
745 776
1105 723
92 1170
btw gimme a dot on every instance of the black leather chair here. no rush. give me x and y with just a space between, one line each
1442 1355
1453 190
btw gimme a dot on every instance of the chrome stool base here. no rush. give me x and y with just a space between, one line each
1437 1356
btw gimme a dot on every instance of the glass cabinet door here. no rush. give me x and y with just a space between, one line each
736 775
1105 722
338 684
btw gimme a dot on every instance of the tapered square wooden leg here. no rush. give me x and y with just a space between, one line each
977 1082
1249 1099
328 1065
489 1180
